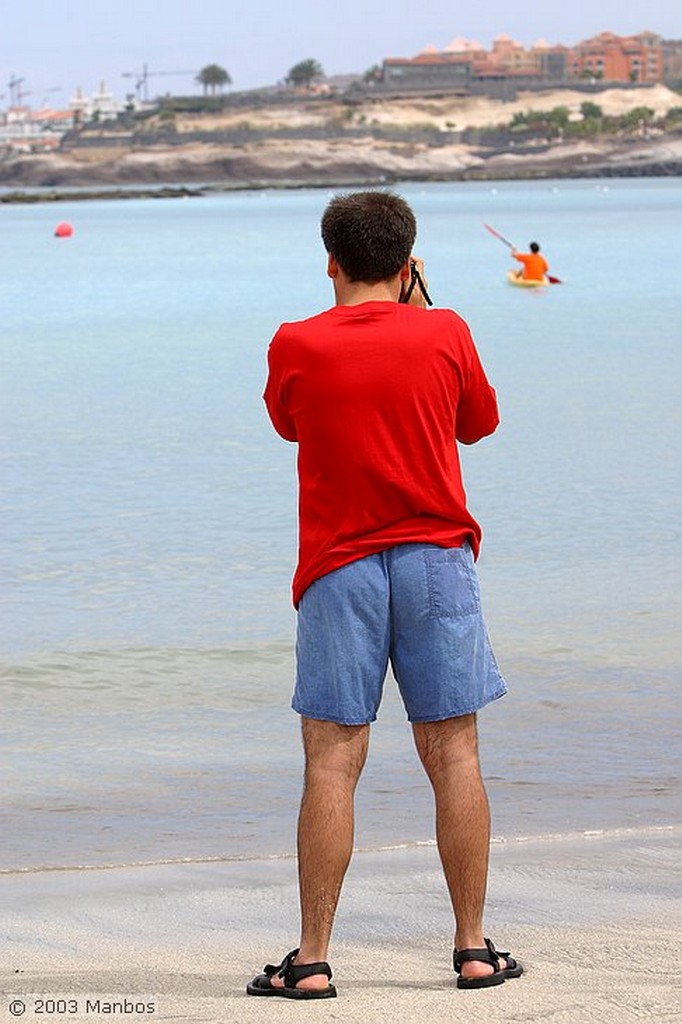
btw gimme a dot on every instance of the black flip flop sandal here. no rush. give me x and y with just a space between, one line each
291 974
489 955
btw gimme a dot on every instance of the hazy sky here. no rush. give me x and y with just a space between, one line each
59 44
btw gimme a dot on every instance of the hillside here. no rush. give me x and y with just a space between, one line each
369 141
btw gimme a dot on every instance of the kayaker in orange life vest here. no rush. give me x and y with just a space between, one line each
535 266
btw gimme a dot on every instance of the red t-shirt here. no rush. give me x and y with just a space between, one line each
375 395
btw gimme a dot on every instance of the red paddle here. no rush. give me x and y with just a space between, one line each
552 280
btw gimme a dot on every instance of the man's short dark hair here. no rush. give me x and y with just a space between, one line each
369 234
534 247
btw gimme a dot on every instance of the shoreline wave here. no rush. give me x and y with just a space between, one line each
496 841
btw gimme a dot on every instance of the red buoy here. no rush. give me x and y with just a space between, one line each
63 230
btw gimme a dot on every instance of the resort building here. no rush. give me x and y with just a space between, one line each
466 66
672 61
23 130
619 59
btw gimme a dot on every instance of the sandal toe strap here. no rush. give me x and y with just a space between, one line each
292 973
272 969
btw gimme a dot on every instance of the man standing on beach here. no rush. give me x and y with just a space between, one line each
375 392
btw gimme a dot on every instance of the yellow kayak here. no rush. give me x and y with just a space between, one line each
522 282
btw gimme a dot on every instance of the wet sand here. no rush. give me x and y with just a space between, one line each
595 918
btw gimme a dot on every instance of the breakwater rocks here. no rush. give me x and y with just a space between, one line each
64 195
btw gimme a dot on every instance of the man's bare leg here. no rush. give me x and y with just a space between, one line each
334 758
449 753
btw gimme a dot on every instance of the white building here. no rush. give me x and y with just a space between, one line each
101 104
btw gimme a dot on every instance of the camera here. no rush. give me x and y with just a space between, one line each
415 279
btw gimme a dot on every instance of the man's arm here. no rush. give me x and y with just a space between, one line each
477 411
472 425
274 395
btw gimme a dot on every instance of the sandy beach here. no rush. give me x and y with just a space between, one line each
595 918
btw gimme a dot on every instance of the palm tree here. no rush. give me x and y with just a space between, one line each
304 72
373 74
213 77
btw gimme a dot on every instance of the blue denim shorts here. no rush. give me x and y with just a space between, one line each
416 606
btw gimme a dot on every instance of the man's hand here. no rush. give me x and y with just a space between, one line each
417 298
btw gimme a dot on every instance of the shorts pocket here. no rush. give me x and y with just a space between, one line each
452 583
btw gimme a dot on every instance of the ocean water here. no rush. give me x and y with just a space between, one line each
149 533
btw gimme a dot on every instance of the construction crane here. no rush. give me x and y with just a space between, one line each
142 79
54 88
16 93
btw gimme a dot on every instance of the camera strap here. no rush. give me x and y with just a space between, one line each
416 278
